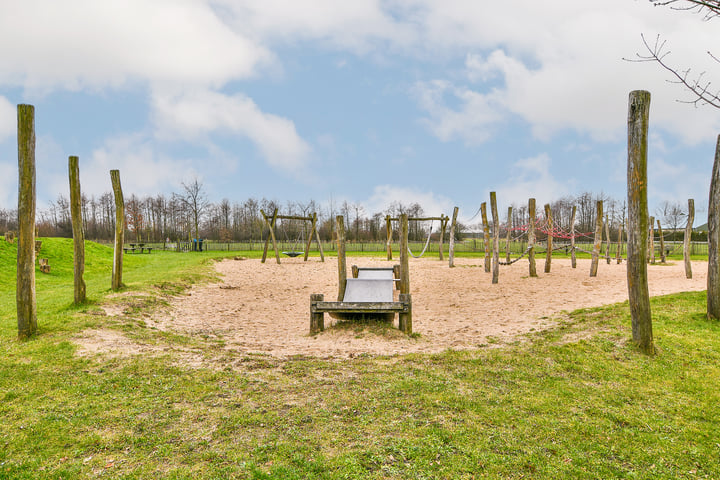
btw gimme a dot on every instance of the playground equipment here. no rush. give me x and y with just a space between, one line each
270 223
369 294
443 219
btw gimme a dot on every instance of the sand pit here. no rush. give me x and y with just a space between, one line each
264 308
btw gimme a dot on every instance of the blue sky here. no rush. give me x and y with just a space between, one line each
366 101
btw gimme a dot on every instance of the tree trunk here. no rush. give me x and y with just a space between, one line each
342 267
713 278
77 228
486 235
598 239
25 293
119 230
573 257
548 255
638 293
688 237
531 238
496 238
451 247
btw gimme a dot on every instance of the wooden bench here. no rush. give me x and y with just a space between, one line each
318 308
44 265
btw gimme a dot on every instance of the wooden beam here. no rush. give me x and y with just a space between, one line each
531 238
496 238
451 247
688 237
117 265
573 256
77 229
342 267
486 236
548 254
597 244
713 278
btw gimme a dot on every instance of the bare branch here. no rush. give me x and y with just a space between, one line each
709 8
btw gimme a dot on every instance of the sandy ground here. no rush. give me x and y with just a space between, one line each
264 308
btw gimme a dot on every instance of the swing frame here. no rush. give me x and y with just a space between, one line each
443 219
270 222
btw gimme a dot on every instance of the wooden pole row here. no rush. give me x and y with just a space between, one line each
443 219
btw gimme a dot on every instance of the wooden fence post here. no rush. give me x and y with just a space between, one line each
531 238
597 243
573 256
713 278
638 292
651 240
618 253
404 257
25 293
443 229
342 267
662 243
77 228
451 248
507 235
486 235
317 319
496 238
388 244
119 230
688 237
548 255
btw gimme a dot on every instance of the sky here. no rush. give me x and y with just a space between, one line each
369 101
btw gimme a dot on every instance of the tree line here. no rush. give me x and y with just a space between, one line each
189 214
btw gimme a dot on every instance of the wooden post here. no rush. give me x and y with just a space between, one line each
713 278
507 236
119 230
404 257
388 229
355 271
638 292
496 238
77 228
342 268
607 237
597 240
548 256
662 243
486 236
618 253
651 241
573 257
531 238
443 228
451 247
317 319
688 237
25 286
317 237
271 234
405 318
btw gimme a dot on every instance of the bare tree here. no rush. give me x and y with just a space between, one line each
700 88
195 201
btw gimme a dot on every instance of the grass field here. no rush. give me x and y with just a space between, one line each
577 401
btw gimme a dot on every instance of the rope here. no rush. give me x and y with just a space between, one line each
427 242
516 259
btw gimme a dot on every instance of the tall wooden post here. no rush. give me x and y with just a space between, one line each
404 321
618 252
77 228
688 237
25 286
388 243
317 237
496 238
119 230
608 242
548 255
662 243
531 238
271 234
342 267
508 236
597 244
573 256
486 236
443 229
638 292
713 278
451 248
651 240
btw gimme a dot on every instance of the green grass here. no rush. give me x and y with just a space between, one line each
577 401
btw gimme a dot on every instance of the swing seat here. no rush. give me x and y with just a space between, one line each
293 254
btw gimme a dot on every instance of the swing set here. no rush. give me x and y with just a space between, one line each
443 219
271 223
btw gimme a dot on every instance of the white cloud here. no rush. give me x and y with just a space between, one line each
196 114
531 178
79 44
8 119
385 195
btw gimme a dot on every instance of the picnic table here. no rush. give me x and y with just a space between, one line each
135 247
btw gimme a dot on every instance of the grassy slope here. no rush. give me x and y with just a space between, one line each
575 402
